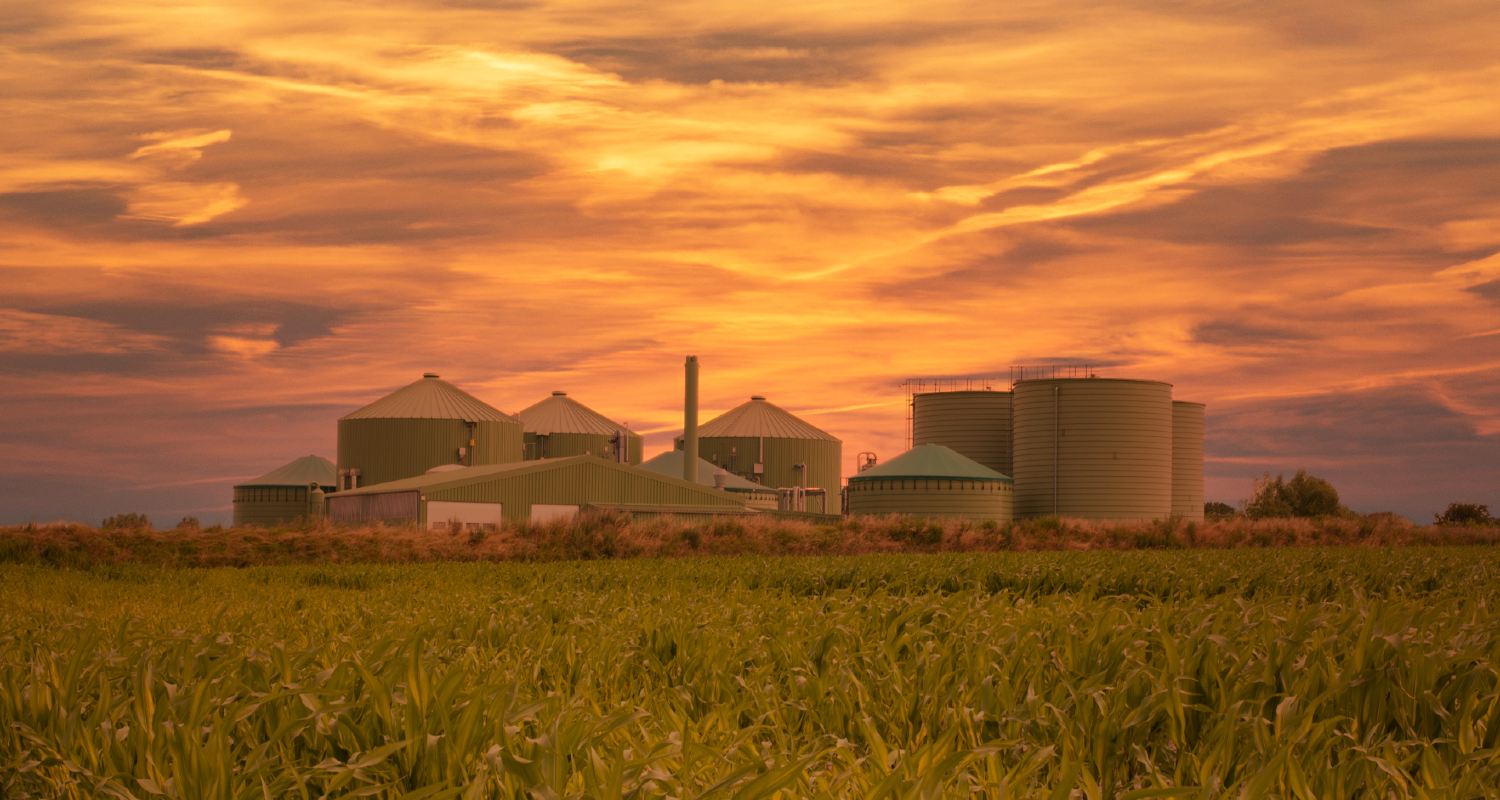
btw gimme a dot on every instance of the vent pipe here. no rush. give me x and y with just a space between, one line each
690 421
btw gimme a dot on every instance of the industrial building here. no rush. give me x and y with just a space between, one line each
974 423
536 491
559 426
426 424
768 445
752 495
1076 446
289 493
931 480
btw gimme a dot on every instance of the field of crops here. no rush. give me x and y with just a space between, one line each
1326 673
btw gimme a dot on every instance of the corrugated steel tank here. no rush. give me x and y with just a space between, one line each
778 454
933 497
1187 460
559 426
1093 448
423 426
273 505
976 424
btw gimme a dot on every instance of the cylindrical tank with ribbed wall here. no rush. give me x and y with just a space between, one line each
1093 448
285 494
761 433
559 426
426 424
930 480
975 424
1187 460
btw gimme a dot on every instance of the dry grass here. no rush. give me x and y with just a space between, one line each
617 536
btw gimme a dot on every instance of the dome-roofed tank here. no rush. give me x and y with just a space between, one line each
973 423
422 425
285 494
1093 448
754 495
764 443
560 426
931 480
1187 460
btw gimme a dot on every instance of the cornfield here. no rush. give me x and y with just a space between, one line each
1309 673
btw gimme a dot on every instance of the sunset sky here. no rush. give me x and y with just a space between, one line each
225 224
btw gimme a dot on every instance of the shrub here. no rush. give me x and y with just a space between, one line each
126 522
1304 495
1465 514
1218 510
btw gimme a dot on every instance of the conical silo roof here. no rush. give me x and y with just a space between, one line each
931 461
430 398
761 418
305 470
562 414
670 463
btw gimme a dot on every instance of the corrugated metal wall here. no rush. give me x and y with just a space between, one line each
976 424
562 445
1187 460
389 507
824 460
1108 448
390 449
269 505
583 484
933 497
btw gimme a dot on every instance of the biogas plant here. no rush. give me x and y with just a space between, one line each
1053 442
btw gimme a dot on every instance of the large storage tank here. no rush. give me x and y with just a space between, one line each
930 480
764 443
560 426
975 424
1093 448
1187 460
285 494
423 425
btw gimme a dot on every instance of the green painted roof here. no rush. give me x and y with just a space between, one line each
430 398
931 461
305 470
670 463
562 414
760 418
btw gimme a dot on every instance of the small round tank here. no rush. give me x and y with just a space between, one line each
1187 460
974 424
1093 448
930 480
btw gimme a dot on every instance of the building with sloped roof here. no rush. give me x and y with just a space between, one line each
559 426
287 494
422 425
752 494
536 491
766 444
931 480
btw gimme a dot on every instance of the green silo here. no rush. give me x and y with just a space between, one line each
560 426
766 444
931 480
1093 448
285 494
425 424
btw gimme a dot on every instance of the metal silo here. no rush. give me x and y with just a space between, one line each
930 480
423 425
1187 460
1093 448
285 494
560 426
975 424
766 444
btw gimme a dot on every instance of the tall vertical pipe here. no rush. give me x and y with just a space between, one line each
690 421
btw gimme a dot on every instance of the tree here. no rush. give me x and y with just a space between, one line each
1303 496
1465 514
1218 510
126 522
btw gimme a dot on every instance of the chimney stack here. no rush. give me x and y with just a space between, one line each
690 421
